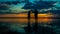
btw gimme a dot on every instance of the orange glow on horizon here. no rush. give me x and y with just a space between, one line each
40 18
45 15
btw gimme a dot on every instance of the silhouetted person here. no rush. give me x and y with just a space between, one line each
29 27
36 21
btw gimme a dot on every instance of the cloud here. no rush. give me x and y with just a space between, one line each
38 5
10 2
4 7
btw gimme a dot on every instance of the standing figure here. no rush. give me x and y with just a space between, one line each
36 21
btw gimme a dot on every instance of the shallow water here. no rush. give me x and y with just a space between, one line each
19 24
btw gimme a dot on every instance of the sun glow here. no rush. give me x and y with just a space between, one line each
44 15
23 18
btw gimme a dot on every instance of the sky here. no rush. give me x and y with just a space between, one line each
20 5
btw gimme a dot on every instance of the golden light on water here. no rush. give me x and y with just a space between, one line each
45 18
42 18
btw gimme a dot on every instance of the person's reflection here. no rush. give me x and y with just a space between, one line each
29 27
36 21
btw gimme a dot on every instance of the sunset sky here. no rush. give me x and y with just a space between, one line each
18 7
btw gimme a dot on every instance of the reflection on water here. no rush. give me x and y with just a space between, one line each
22 18
45 21
16 24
